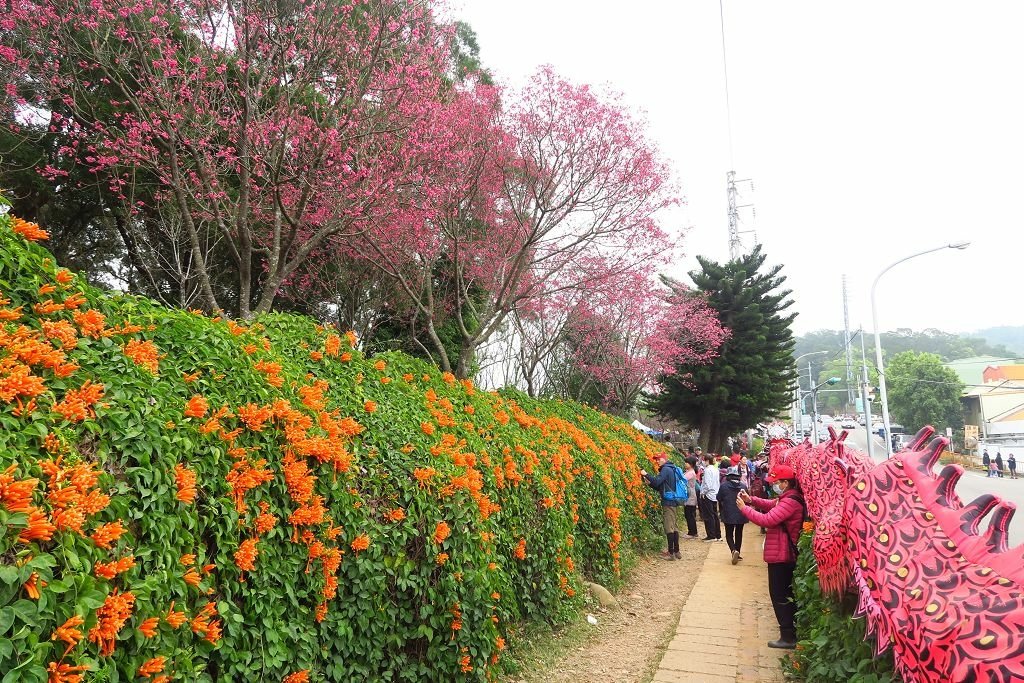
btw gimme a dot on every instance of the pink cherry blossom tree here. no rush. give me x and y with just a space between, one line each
540 193
622 342
269 129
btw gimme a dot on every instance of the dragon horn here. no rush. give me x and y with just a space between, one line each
921 437
946 487
999 527
927 459
970 516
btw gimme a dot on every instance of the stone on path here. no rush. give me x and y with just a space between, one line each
602 595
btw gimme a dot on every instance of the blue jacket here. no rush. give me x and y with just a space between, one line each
664 481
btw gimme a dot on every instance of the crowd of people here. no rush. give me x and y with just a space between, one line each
730 491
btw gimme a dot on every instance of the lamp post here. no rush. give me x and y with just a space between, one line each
878 339
798 399
814 405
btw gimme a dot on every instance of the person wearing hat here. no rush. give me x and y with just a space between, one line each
782 517
665 484
731 515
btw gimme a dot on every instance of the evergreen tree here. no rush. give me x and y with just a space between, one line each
752 378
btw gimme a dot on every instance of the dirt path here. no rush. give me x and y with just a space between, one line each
628 641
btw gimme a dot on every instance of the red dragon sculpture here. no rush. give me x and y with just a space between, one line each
946 598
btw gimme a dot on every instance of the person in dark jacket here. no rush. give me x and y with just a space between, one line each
783 518
731 515
664 482
999 464
1011 462
986 460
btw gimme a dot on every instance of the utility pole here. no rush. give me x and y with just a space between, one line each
849 355
865 403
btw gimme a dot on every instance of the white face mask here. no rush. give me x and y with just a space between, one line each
777 488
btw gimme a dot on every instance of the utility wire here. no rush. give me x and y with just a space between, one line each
725 70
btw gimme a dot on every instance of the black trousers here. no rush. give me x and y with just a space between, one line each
691 519
734 536
709 513
780 588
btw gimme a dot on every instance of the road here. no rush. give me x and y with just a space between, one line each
970 486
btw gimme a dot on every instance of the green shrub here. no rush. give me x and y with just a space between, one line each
319 513
832 648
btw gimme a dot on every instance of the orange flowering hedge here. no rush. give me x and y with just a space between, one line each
192 499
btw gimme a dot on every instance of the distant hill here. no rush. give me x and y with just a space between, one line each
1009 336
945 344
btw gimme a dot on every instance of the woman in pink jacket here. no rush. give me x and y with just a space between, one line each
782 517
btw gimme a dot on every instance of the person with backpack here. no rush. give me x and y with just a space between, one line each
783 518
671 484
986 461
731 515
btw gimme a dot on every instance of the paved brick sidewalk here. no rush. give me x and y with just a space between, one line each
726 623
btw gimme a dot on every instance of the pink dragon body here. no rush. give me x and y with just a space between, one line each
947 598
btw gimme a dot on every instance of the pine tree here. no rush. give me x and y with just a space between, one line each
753 376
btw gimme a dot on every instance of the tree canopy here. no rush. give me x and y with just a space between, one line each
923 392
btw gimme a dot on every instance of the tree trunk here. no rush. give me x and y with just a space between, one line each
705 432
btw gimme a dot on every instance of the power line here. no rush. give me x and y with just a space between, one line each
725 70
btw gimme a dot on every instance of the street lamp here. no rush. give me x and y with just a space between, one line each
878 340
798 399
814 405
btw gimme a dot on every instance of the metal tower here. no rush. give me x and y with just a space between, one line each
732 192
849 356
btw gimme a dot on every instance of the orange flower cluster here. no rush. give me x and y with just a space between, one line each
520 551
313 396
297 677
175 619
145 354
264 521
69 633
65 673
332 345
151 666
107 534
186 482
110 618
196 407
254 417
395 515
360 542
245 556
149 627
204 625
245 476
30 231
78 404
91 323
272 372
441 532
109 570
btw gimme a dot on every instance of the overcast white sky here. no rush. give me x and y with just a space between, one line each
871 129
